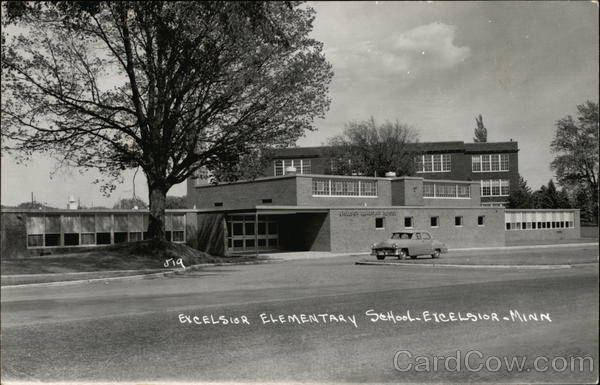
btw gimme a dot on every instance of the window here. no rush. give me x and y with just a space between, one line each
476 163
52 240
379 223
433 163
446 190
303 166
481 220
35 240
344 187
135 236
504 187
52 230
503 162
538 220
495 187
427 163
434 221
464 190
120 236
218 204
408 222
446 162
458 221
490 163
177 236
103 238
35 230
267 201
71 239
428 190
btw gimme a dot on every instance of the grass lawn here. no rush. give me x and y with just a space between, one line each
142 255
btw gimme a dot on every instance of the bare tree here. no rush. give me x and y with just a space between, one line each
366 148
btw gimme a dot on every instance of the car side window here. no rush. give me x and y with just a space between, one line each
418 235
426 236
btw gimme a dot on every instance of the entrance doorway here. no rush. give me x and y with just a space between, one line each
245 234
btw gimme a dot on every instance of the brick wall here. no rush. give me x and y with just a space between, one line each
244 195
354 230
305 197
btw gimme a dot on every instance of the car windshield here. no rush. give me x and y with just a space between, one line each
401 235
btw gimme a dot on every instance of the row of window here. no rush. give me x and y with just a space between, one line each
434 221
433 163
302 166
495 187
423 163
52 230
344 187
540 225
491 162
91 239
446 190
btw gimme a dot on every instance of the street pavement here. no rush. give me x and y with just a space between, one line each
132 330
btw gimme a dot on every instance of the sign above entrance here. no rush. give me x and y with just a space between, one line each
367 213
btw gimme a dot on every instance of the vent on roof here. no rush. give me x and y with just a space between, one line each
267 201
218 204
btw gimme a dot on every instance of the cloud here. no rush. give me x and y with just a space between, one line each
422 49
430 44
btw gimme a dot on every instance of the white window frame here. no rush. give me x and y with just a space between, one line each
443 161
500 161
441 192
329 188
498 184
303 166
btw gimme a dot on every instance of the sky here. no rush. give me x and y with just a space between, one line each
432 65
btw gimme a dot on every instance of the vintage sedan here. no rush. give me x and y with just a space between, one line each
408 243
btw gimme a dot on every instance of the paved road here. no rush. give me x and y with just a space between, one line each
131 331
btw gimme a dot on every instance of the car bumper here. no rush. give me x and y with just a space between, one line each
386 252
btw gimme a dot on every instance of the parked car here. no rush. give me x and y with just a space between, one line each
409 243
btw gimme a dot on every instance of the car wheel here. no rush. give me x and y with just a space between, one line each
436 253
403 254
380 257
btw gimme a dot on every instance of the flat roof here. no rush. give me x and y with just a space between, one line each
295 175
452 146
267 209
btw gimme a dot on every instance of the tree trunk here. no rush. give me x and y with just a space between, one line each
156 224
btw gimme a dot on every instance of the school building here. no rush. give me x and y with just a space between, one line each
310 212
457 194
494 165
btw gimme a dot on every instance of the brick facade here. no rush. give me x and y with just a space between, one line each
460 154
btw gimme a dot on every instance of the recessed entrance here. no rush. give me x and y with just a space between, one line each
246 234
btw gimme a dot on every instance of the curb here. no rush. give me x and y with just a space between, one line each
137 276
553 245
527 267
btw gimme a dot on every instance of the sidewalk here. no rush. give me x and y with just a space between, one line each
289 256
